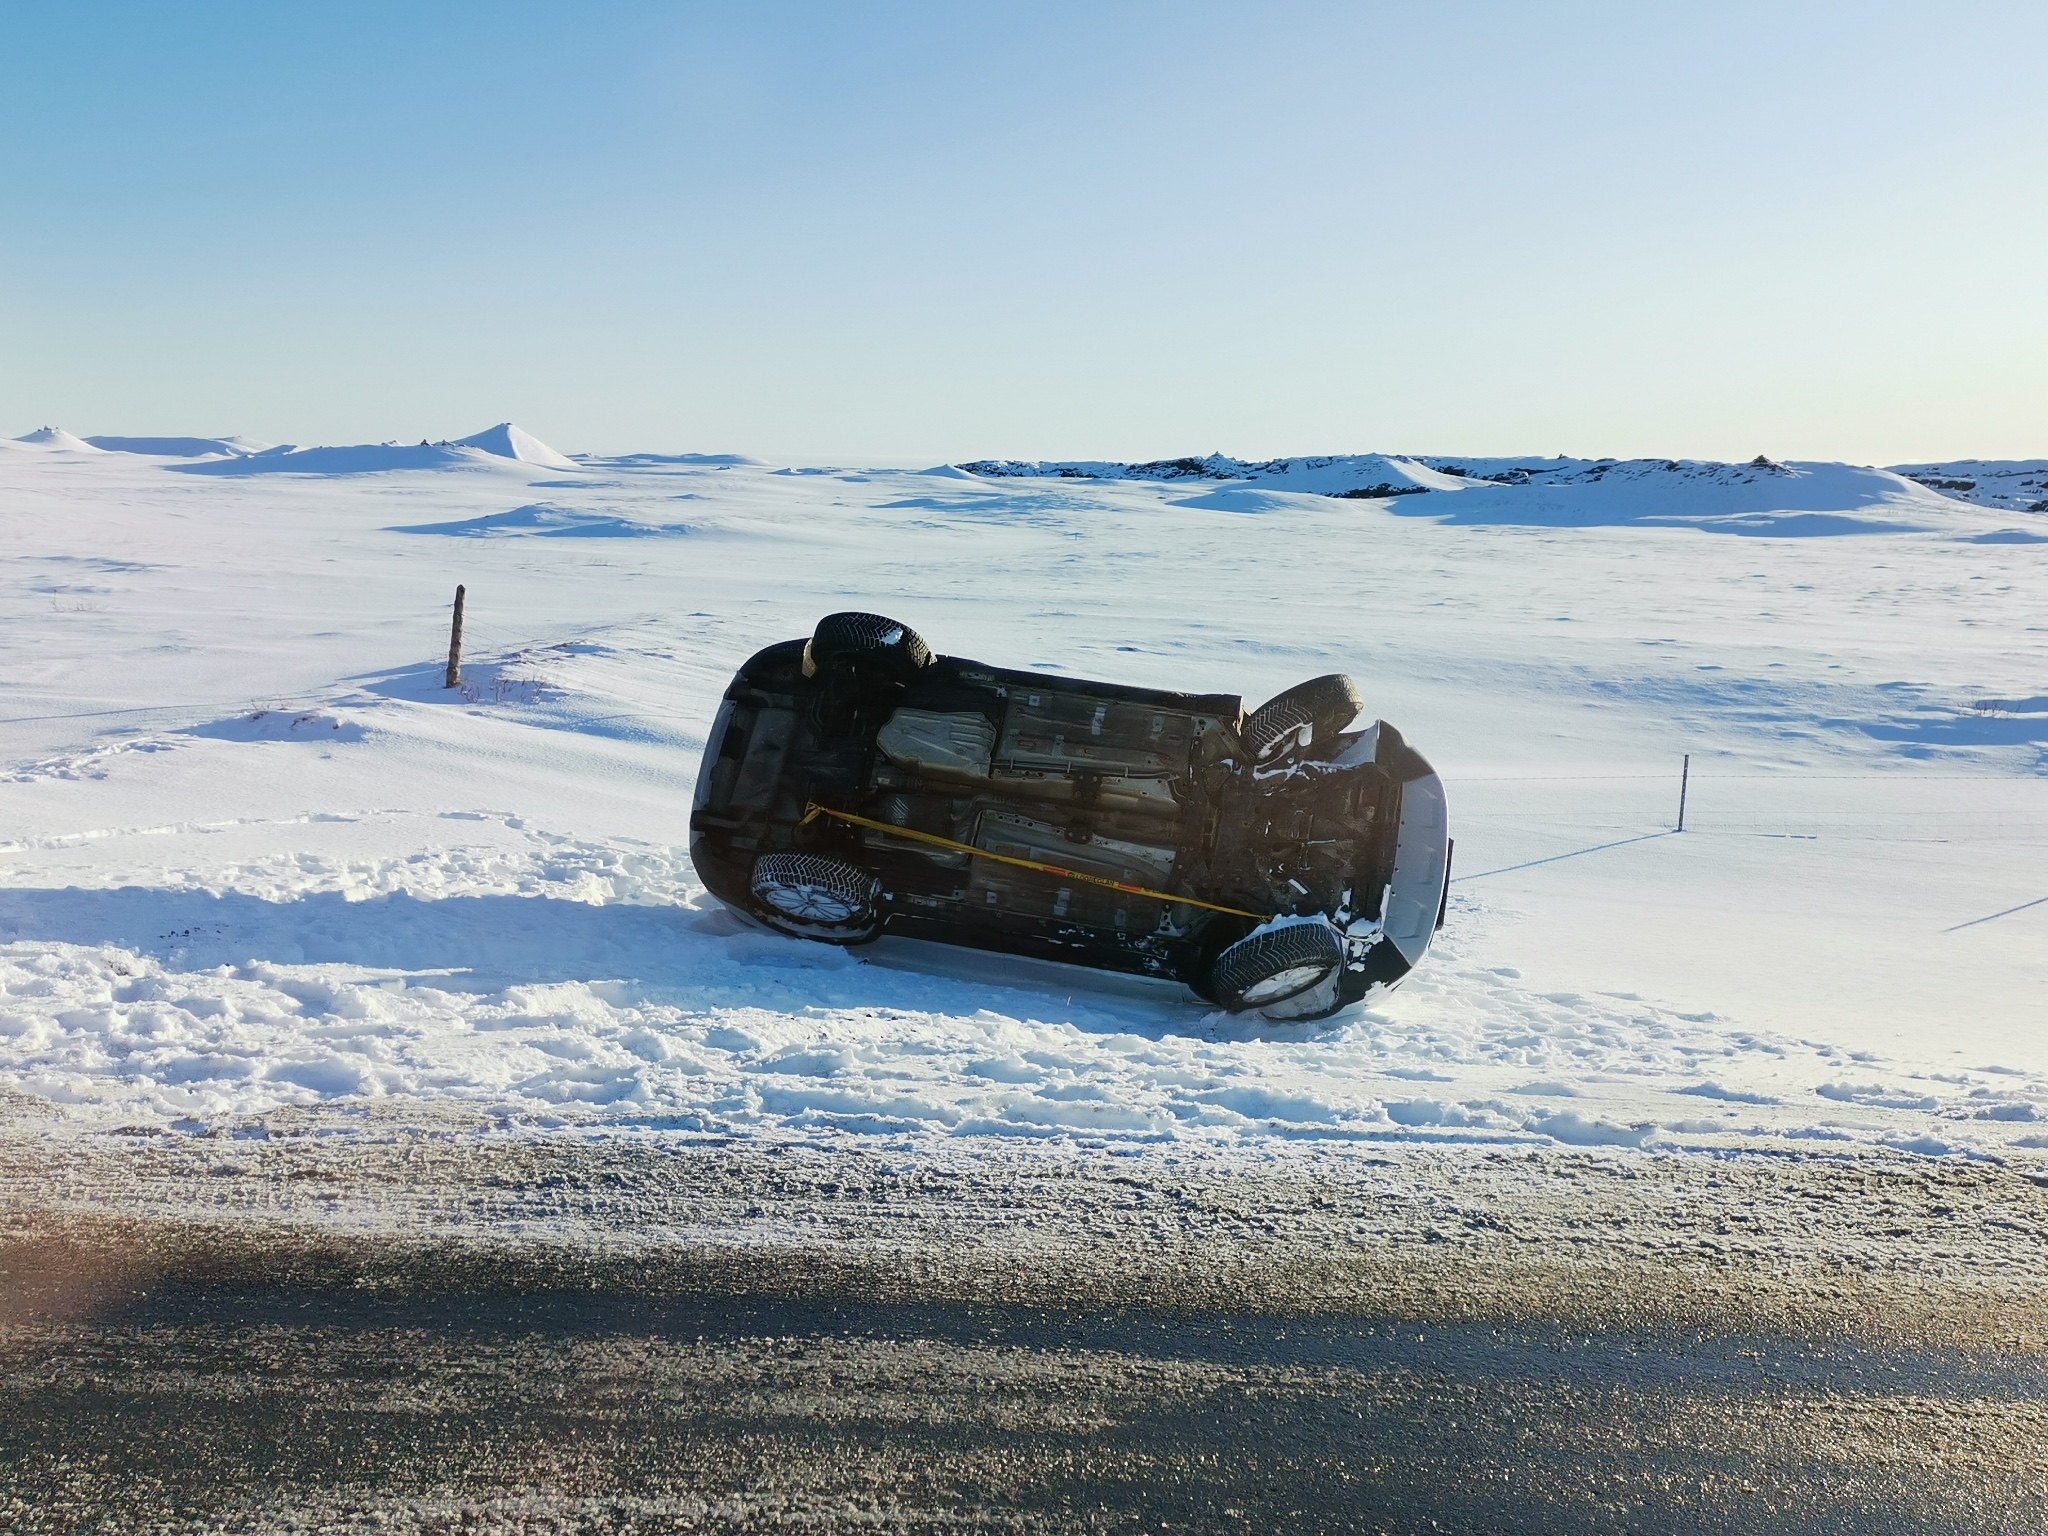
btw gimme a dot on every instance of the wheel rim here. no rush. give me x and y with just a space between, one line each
1284 984
810 903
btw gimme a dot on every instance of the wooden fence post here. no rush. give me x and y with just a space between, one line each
1684 771
455 644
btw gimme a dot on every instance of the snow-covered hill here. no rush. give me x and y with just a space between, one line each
2018 485
255 854
245 456
53 437
1759 497
493 448
181 447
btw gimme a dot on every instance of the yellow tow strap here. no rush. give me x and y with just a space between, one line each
813 811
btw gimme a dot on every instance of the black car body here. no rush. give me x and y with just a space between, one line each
856 784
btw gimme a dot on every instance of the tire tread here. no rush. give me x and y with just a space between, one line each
1253 959
1325 704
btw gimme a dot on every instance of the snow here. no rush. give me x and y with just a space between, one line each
510 442
1758 498
545 521
181 447
56 437
504 448
2019 485
255 855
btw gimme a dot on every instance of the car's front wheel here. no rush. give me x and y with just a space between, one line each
1286 972
810 896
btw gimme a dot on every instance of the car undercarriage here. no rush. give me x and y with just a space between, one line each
865 785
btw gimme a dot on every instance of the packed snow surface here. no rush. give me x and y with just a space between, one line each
257 855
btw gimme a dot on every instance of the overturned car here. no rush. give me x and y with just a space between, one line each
1278 862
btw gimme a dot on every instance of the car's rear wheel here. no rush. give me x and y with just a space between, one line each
1306 715
811 896
865 643
1275 967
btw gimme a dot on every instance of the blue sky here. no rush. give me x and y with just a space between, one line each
926 231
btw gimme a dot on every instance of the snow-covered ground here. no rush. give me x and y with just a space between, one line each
253 854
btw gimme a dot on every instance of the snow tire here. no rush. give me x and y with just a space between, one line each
810 896
865 643
1275 966
1308 714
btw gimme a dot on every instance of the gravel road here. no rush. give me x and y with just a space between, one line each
393 1323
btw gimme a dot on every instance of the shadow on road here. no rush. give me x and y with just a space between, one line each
560 1412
